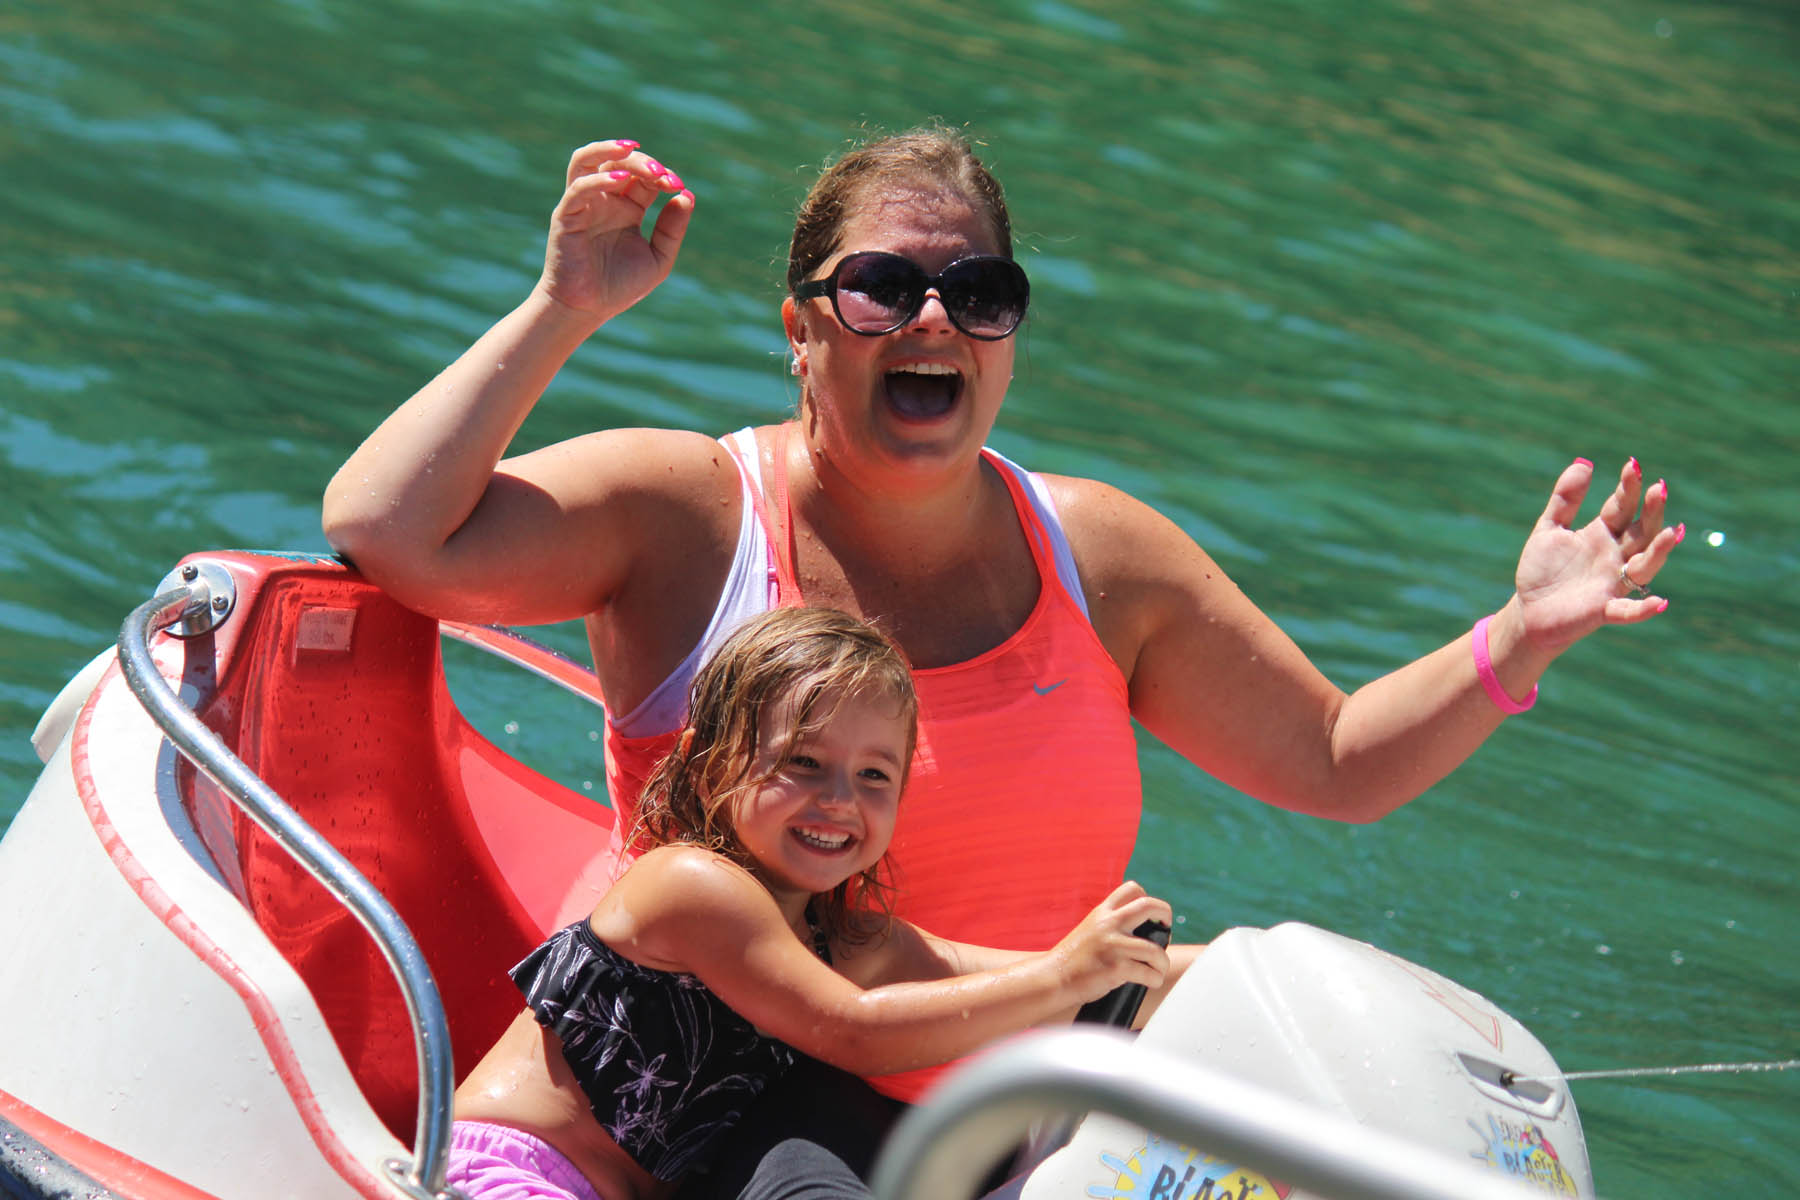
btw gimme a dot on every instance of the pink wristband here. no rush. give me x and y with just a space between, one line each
1490 683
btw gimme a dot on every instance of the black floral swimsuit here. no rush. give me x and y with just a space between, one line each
666 1066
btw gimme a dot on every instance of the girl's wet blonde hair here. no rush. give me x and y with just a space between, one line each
803 653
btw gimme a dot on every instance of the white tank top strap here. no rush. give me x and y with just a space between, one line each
1045 507
748 457
749 590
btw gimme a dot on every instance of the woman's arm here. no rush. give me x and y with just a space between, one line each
1215 679
426 508
681 909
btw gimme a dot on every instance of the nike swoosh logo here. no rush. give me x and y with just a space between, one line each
1045 691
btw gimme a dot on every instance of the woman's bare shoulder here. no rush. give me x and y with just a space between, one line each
1118 539
1089 506
1141 573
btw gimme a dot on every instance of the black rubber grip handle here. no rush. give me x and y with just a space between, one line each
1120 1006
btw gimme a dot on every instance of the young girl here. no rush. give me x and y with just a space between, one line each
754 926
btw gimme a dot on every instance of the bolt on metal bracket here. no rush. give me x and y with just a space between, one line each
213 595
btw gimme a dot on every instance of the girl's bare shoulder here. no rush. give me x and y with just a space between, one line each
656 910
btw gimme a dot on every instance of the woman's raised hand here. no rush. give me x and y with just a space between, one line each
598 261
1572 580
1102 952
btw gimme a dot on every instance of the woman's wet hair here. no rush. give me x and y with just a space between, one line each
936 155
810 655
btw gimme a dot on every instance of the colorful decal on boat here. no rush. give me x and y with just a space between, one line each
1165 1170
1520 1149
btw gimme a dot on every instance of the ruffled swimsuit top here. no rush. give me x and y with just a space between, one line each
667 1068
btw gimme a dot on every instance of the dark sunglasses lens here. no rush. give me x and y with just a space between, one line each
986 298
877 292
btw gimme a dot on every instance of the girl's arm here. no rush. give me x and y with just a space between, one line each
1215 679
425 506
910 953
682 909
1181 957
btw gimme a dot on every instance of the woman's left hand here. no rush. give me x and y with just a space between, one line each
1572 580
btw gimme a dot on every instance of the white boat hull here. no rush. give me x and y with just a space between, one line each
145 1010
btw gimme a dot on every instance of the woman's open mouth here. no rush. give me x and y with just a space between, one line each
922 391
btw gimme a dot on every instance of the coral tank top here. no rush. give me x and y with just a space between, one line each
1022 807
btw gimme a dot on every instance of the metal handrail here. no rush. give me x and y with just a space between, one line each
944 1147
424 1177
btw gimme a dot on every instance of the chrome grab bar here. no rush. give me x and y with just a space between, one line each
945 1146
193 603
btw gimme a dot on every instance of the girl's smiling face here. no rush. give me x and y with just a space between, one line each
926 393
827 808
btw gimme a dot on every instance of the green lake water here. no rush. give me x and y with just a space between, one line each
1340 287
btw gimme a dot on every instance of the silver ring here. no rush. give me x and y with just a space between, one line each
1638 591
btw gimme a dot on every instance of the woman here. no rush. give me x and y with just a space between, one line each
1040 613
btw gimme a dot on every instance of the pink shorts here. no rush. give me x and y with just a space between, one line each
497 1162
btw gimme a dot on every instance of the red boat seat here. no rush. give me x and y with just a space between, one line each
334 694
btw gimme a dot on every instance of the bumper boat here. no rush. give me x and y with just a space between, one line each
263 895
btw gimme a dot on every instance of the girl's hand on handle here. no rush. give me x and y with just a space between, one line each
1102 952
598 262
1571 581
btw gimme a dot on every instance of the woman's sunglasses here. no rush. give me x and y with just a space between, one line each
874 292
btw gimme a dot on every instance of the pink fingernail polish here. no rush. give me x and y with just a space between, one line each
620 174
687 195
657 168
671 179
1662 607
1680 532
1586 462
1633 467
626 143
